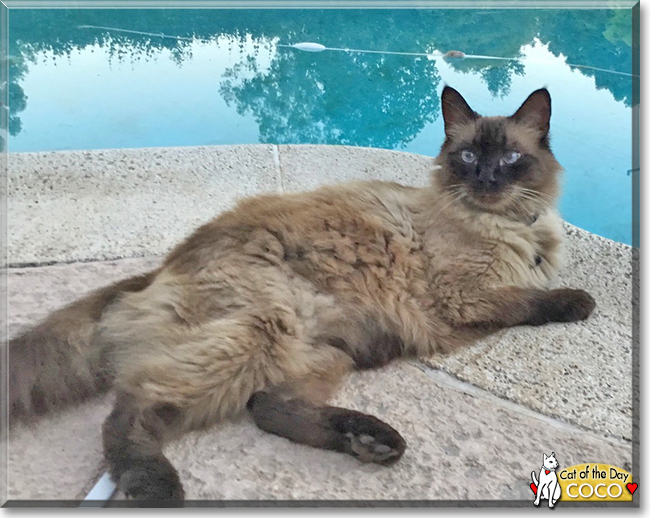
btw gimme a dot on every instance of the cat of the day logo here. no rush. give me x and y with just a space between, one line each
581 483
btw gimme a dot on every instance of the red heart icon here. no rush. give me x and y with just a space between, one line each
534 487
632 487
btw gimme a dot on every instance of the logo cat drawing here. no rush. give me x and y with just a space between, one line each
548 486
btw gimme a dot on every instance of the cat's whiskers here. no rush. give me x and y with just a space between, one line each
550 200
547 200
457 193
519 199
538 203
531 197
514 200
544 201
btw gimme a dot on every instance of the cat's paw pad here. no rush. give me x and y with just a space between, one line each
367 448
152 482
371 440
572 305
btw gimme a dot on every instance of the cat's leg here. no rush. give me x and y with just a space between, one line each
347 431
522 306
559 305
133 437
188 377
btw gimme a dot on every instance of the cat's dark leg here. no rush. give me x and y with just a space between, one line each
360 435
560 305
521 306
133 439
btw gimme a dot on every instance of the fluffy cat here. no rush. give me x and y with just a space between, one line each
269 305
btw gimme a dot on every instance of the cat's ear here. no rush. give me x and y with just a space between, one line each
536 111
552 454
455 110
545 457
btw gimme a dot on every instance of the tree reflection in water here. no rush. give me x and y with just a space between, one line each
335 98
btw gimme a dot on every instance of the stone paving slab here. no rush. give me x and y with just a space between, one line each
82 205
107 204
59 457
306 167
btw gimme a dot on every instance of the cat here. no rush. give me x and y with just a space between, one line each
548 486
268 306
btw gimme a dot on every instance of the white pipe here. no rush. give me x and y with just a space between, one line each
101 492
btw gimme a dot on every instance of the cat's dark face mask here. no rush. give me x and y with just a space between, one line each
498 163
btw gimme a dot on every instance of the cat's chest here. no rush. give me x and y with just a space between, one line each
524 256
530 256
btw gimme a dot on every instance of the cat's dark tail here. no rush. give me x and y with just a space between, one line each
59 362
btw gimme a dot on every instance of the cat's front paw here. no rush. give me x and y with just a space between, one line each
570 305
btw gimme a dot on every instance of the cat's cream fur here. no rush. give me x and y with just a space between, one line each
250 316
272 303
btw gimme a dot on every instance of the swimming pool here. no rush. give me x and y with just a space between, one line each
206 77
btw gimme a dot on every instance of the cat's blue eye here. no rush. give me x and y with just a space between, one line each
510 157
468 156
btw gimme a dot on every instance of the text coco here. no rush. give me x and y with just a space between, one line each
599 490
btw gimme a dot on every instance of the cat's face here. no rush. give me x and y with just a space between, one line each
550 462
498 164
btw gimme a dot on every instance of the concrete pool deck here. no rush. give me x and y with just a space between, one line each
476 422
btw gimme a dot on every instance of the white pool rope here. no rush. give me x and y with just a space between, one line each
451 55
317 47
156 34
101 492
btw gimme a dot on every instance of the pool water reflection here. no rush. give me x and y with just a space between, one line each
228 82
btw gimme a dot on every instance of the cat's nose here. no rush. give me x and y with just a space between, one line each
486 176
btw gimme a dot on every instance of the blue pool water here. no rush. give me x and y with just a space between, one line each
229 80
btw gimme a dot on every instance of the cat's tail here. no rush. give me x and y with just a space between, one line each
534 475
59 361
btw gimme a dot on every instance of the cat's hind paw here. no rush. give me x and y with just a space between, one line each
152 482
370 439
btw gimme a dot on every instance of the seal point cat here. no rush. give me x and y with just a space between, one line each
268 306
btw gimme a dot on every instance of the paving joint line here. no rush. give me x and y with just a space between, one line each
449 380
278 167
